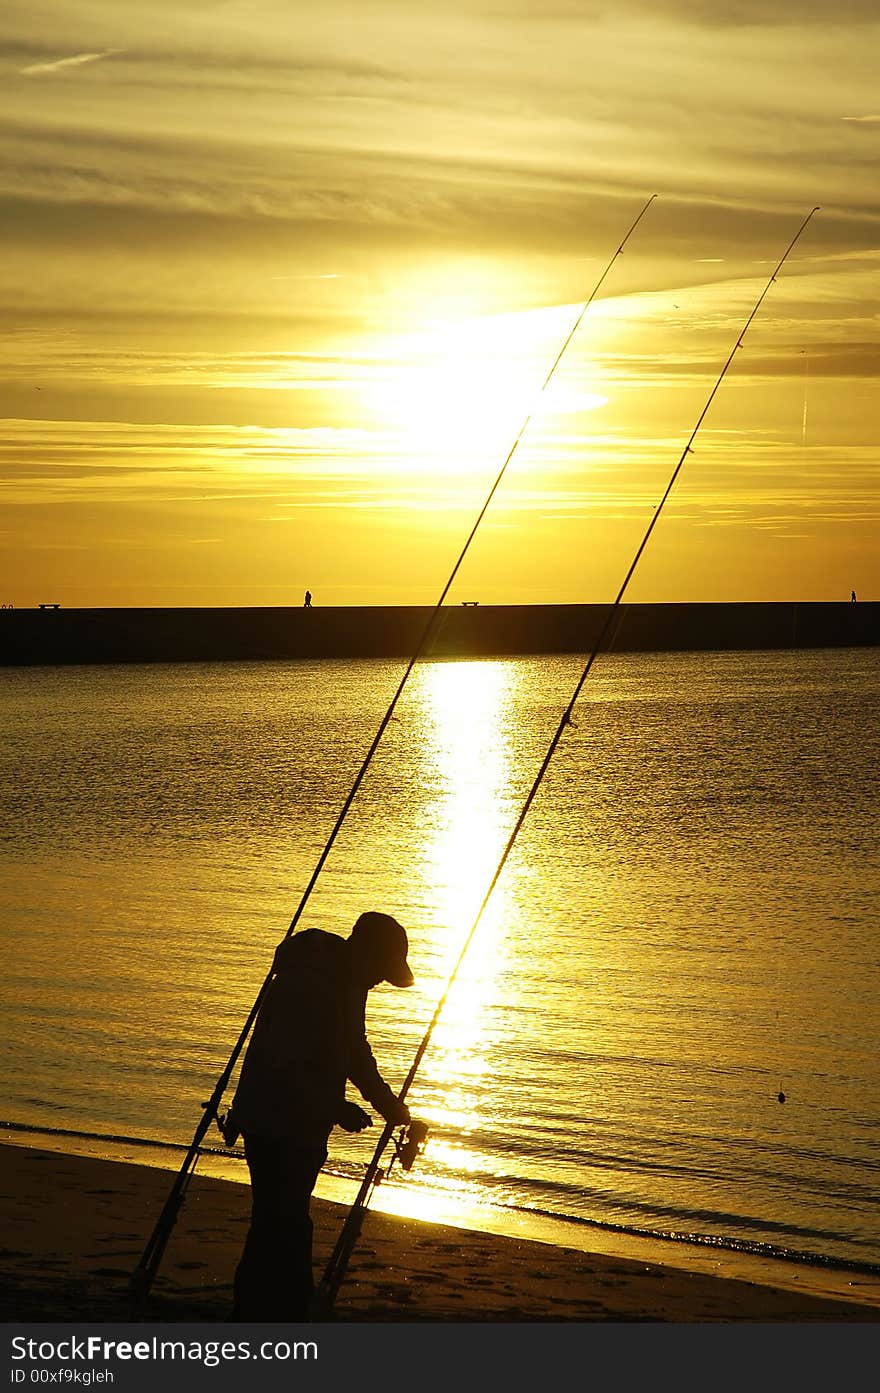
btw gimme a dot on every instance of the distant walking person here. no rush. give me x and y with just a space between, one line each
307 602
308 1039
852 598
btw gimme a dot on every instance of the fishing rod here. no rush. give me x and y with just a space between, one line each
409 1140
144 1273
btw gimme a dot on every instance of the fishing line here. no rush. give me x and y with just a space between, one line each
338 1262
146 1269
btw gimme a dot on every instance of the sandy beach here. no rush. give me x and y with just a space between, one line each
74 1228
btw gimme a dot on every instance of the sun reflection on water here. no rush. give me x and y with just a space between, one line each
467 713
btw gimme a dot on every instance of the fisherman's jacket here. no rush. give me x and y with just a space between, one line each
309 1037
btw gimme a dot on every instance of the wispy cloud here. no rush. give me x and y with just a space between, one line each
863 120
732 14
76 60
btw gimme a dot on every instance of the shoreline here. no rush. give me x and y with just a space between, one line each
74 1228
410 1200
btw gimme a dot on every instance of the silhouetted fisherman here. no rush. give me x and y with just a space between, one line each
309 1037
852 598
307 602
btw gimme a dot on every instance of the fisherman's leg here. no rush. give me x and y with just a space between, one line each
301 1167
273 1280
258 1276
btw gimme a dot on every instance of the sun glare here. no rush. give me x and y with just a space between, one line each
458 392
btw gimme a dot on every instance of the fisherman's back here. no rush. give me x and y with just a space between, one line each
293 1077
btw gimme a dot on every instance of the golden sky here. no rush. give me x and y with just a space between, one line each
280 282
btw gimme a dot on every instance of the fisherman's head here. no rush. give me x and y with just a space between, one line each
379 947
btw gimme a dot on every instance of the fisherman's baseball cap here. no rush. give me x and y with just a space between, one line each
387 944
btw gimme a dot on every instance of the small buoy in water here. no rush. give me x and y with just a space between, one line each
781 1097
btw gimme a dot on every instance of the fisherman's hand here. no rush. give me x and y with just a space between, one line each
352 1118
398 1114
228 1127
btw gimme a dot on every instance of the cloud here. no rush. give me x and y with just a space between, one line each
863 120
730 14
77 60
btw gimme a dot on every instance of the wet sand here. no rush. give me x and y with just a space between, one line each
74 1228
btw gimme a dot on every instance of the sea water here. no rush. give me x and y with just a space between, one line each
686 928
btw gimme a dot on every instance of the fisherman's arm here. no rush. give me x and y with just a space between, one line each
364 1074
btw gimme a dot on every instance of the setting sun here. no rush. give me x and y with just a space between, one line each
280 294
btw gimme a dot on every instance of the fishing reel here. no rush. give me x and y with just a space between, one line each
226 1126
409 1144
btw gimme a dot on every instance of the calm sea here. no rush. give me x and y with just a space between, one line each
687 927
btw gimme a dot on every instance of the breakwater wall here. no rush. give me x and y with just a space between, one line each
50 636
